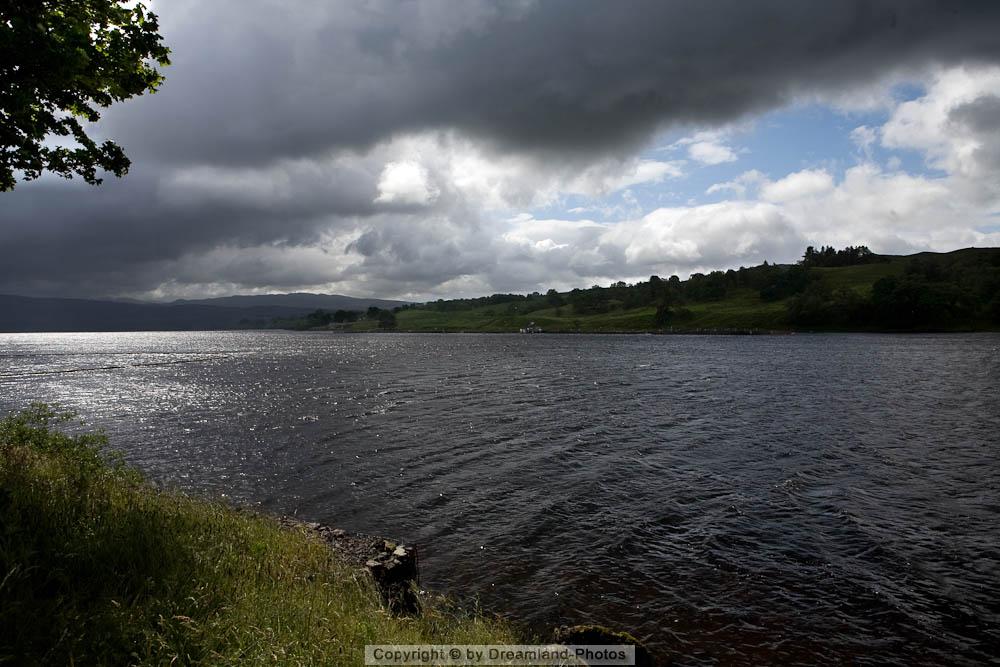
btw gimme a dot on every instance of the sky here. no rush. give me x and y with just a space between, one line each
437 149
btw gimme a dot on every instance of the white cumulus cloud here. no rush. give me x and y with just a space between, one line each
711 152
405 182
806 183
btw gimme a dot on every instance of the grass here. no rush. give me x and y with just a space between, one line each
497 319
742 309
98 567
861 278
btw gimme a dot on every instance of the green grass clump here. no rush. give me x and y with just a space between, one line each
98 567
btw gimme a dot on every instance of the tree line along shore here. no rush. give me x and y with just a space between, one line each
850 289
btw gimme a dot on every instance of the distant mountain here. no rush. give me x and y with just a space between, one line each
25 314
296 300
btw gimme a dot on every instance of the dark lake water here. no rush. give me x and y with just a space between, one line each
735 500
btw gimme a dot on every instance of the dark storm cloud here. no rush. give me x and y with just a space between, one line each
251 85
70 238
261 134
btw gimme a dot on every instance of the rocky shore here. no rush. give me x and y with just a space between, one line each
393 567
395 571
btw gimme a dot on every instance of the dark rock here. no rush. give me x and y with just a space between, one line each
392 566
395 574
597 635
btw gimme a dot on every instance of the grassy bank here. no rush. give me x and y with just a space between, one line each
98 567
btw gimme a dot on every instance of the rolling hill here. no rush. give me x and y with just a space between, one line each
30 314
956 291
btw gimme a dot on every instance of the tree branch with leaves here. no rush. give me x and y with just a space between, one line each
60 62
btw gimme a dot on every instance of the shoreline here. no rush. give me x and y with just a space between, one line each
708 331
648 332
103 567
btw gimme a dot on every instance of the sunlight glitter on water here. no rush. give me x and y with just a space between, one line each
735 499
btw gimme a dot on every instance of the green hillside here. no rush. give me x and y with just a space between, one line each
849 290
742 309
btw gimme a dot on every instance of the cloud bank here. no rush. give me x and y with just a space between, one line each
387 148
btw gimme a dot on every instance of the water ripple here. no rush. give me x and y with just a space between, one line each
736 500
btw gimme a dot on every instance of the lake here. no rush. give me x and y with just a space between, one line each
733 499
